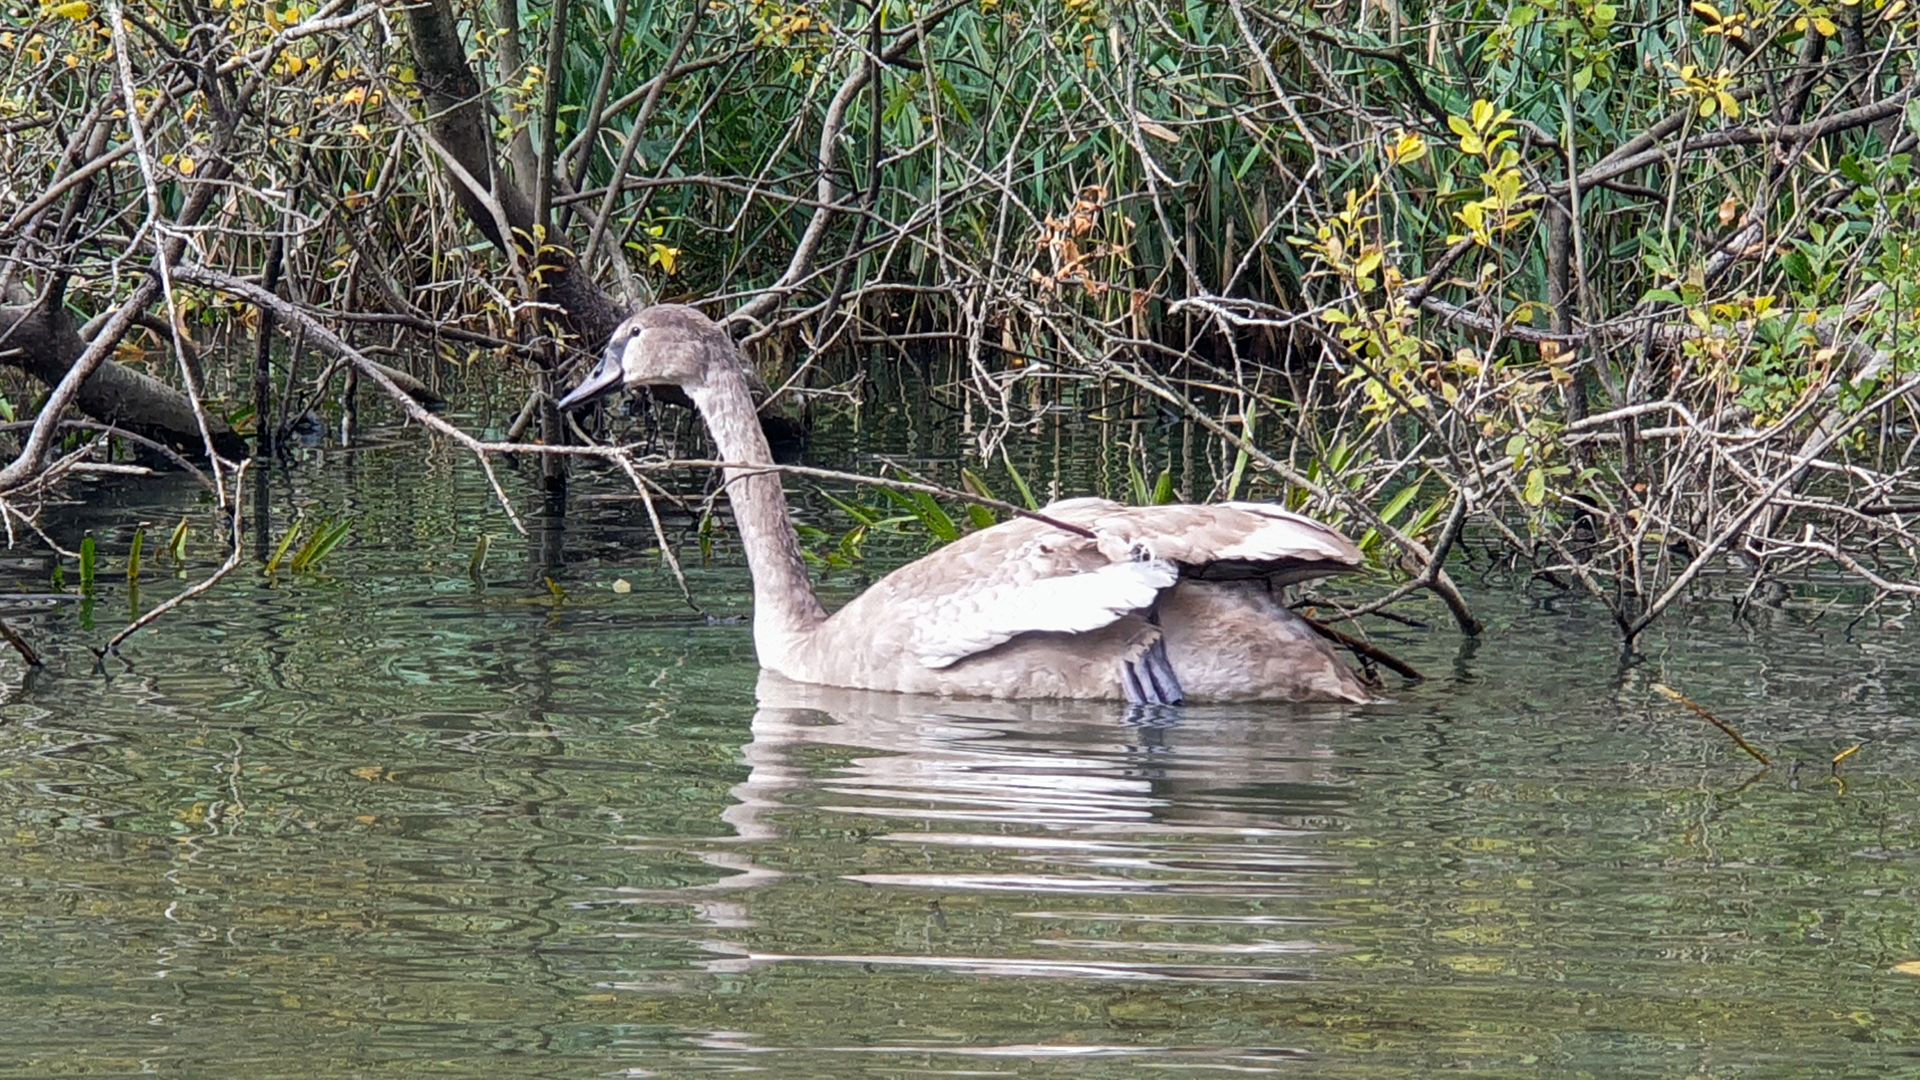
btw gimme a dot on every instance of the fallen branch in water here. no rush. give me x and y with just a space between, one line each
32 657
1699 710
1366 650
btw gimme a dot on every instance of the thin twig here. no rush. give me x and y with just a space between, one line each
1699 710
1364 648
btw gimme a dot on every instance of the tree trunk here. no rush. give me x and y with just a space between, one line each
45 345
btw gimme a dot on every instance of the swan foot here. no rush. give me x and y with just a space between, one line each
1148 678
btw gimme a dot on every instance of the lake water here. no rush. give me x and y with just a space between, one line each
385 821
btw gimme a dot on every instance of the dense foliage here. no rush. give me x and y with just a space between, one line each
1626 289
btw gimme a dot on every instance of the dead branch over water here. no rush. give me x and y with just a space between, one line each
1627 364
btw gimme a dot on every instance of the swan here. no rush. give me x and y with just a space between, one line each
1153 605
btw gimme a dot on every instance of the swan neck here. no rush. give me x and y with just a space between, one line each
784 606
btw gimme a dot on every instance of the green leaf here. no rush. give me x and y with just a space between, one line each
1240 460
89 558
1163 493
1536 492
861 515
321 544
1136 485
1399 502
1427 518
133 556
927 512
477 562
1019 482
177 543
280 552
982 517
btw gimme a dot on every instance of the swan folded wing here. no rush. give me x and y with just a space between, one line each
1232 540
978 619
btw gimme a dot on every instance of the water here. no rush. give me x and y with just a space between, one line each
383 821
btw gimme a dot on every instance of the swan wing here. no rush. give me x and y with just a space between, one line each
1026 576
1229 540
984 617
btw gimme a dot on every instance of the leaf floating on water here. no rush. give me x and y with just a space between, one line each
622 586
1911 967
553 587
372 773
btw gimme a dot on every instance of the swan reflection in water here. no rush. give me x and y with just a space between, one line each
1202 818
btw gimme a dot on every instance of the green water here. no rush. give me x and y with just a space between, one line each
383 821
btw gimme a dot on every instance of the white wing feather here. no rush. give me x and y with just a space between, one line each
1069 604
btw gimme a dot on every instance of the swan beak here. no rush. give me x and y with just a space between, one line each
605 378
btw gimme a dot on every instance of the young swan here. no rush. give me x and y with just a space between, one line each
1147 604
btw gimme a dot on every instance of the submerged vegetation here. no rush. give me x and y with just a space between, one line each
1625 292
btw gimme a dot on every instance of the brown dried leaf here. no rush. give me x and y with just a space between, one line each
1158 131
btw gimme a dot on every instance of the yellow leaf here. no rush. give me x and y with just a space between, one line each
1728 105
1825 26
622 586
73 9
1707 12
1729 211
1911 967
186 166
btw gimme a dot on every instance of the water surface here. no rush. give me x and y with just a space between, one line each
385 821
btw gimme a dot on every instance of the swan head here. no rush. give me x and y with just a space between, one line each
662 345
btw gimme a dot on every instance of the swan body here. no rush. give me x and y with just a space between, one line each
1153 605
